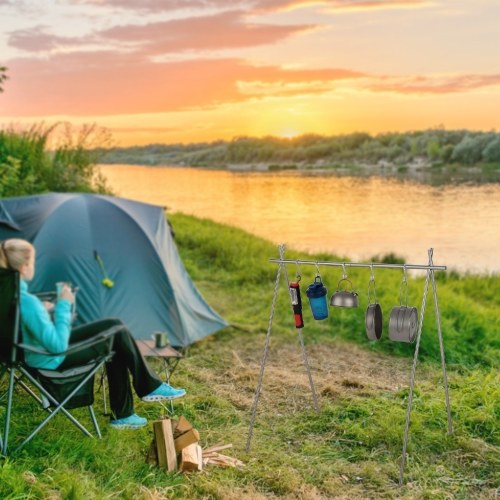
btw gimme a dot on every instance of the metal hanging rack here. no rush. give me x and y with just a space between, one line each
430 268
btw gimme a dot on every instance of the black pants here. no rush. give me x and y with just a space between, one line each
127 359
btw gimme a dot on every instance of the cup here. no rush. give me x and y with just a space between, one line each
161 339
59 288
316 293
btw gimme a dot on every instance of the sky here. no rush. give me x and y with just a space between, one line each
170 71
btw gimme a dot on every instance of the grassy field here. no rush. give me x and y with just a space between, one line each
351 448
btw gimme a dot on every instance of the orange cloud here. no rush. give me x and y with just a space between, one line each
109 83
219 31
434 85
37 40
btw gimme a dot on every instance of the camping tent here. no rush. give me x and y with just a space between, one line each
121 255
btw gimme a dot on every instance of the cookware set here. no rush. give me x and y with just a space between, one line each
403 320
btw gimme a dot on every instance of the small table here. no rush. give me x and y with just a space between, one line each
170 356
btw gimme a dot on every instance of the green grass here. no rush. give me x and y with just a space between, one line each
352 447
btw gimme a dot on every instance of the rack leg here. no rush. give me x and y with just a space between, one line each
441 347
306 364
281 249
412 381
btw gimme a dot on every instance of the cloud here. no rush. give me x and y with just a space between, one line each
165 5
106 83
447 84
37 40
333 6
336 5
222 31
219 31
256 6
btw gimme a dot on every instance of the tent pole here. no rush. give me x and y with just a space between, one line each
304 352
412 380
441 346
281 249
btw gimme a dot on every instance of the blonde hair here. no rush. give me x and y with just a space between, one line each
14 253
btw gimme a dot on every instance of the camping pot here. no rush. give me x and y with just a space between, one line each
403 324
344 298
316 293
373 321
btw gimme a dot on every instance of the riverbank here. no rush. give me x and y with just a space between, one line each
433 156
351 448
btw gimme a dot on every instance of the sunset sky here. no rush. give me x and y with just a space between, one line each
164 71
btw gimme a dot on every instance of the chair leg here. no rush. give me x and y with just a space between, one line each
94 421
59 407
8 411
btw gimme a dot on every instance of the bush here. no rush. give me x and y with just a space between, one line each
28 165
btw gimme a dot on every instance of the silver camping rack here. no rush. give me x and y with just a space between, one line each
429 267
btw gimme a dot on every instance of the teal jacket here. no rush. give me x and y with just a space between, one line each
40 331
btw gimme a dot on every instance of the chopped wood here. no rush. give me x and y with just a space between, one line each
174 439
199 456
215 448
189 458
189 437
183 425
222 461
164 438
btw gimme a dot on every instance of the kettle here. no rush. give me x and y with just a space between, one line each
344 298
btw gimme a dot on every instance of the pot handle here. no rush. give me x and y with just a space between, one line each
404 285
344 279
371 287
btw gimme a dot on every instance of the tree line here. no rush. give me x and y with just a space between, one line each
433 146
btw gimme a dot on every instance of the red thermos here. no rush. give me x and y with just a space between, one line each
296 304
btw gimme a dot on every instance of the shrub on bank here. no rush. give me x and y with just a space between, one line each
58 158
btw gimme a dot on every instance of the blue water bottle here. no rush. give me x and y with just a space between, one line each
316 293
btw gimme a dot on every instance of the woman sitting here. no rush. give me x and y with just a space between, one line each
55 336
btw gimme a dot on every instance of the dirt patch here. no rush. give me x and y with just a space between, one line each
337 369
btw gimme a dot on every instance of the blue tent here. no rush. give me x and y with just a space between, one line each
121 255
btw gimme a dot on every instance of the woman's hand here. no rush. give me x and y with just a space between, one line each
49 306
67 294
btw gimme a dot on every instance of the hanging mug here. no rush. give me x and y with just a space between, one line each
316 293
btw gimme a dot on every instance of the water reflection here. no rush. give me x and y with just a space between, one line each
352 216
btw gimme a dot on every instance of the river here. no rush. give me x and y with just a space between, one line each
355 217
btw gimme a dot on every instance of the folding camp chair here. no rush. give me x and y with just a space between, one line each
61 390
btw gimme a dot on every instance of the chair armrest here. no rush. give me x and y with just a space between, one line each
50 296
104 336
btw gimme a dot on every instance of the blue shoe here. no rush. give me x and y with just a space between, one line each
131 422
164 391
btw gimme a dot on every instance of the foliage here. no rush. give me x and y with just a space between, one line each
424 147
351 448
57 158
3 76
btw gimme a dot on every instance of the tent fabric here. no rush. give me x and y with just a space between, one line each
152 290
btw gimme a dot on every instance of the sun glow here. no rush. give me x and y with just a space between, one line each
288 133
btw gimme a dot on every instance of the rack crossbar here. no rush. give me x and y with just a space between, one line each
359 264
